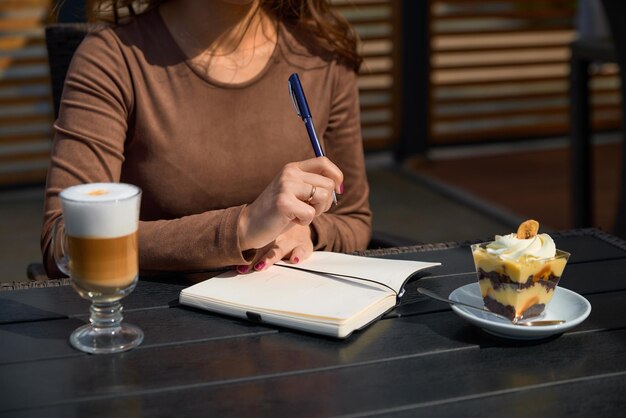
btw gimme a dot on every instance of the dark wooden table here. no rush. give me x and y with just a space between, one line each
420 360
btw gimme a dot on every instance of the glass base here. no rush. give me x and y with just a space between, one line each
106 340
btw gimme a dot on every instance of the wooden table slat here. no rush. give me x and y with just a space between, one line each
63 301
41 340
406 380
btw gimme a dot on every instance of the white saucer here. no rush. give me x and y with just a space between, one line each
565 304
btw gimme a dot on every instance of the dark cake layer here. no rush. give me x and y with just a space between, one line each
499 280
508 310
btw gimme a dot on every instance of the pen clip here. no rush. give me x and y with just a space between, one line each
293 100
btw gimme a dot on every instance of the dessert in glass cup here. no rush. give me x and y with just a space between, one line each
518 273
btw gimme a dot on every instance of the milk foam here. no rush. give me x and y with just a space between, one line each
105 210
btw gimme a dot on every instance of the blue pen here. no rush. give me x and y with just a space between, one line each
302 110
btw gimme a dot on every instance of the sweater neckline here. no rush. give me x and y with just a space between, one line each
205 77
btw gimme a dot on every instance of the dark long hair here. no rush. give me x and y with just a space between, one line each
328 30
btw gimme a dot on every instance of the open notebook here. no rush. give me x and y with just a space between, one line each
329 293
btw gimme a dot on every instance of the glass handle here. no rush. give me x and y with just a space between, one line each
59 246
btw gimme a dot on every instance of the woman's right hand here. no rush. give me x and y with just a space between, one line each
299 193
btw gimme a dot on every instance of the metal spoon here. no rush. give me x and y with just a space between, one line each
542 322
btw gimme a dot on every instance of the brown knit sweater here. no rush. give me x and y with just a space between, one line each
134 110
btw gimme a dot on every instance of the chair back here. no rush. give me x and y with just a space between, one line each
62 39
616 16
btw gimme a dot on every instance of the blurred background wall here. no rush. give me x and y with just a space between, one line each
438 73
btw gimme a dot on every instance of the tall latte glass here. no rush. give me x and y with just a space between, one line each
97 248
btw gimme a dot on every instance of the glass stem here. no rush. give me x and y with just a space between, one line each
106 316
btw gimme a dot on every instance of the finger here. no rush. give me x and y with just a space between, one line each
321 199
318 180
260 256
312 193
304 185
242 269
324 167
300 253
259 264
275 255
327 198
296 208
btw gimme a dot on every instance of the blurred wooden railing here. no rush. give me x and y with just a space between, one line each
499 71
25 105
377 23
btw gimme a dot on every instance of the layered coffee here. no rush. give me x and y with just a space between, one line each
101 222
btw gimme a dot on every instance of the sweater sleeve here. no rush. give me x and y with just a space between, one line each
90 138
347 226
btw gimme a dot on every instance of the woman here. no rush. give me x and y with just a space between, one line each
188 100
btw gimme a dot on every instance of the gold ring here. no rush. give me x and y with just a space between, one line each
313 190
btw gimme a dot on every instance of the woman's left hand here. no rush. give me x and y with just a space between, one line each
294 244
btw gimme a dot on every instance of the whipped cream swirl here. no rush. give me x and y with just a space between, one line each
512 248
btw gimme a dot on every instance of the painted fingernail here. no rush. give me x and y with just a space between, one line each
295 260
341 188
260 265
243 269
